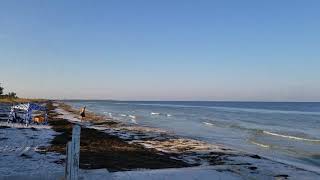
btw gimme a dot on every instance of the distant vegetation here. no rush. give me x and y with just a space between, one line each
10 95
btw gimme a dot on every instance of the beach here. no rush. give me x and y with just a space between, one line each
159 90
129 149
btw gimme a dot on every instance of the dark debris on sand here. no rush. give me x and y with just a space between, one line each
99 150
4 127
255 156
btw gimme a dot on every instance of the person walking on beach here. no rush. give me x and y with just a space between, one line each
83 113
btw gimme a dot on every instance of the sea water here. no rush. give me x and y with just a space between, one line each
287 132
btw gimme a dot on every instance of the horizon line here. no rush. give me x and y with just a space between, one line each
244 101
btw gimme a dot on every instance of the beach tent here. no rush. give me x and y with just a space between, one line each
26 110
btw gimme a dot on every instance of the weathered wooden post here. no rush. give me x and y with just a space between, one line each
73 153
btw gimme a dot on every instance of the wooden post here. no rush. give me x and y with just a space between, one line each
68 160
73 153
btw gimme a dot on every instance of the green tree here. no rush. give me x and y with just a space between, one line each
1 89
12 95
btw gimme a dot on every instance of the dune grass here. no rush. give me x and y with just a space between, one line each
20 100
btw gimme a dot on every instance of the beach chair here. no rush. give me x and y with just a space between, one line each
26 110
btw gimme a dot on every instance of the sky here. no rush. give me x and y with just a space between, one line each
229 50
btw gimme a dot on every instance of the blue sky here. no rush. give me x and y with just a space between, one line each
162 50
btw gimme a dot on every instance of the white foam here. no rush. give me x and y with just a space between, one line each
108 113
154 113
134 121
291 137
207 123
261 145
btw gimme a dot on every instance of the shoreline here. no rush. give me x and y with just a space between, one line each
194 152
129 149
100 150
263 133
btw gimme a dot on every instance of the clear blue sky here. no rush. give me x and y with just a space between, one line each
162 49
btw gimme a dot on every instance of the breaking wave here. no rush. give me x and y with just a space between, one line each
207 123
134 121
291 137
230 109
154 113
261 145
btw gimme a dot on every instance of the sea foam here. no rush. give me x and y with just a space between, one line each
291 137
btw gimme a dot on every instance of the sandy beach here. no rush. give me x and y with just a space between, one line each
127 150
159 90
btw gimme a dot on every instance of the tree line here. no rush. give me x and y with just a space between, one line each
8 95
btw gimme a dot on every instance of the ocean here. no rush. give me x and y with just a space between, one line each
284 131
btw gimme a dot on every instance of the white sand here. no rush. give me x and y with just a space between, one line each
18 151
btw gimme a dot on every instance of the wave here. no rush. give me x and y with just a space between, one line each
291 137
134 121
235 109
132 117
158 114
265 111
207 123
259 144
257 130
153 113
108 113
